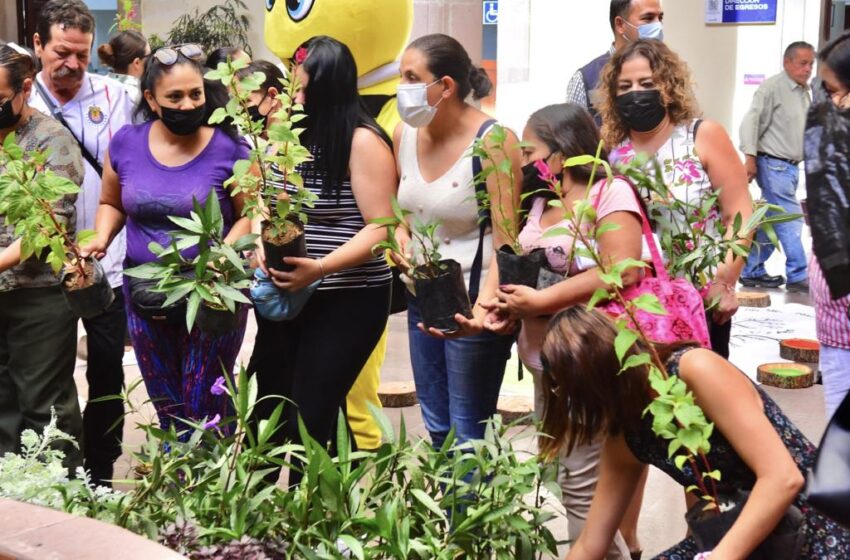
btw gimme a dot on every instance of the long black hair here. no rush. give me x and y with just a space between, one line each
836 55
215 94
334 109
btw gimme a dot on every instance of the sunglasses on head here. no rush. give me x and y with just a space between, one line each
169 55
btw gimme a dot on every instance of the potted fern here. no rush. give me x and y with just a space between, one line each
438 282
212 287
28 192
282 217
516 266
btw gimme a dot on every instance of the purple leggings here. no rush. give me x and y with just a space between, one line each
180 367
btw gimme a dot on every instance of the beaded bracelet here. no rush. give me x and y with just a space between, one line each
703 556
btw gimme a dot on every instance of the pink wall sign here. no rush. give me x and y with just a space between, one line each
753 79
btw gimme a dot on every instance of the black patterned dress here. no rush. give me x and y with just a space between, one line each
825 540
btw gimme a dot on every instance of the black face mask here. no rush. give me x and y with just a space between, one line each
184 123
8 118
642 111
531 180
257 116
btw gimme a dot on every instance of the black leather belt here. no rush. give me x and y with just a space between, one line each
786 160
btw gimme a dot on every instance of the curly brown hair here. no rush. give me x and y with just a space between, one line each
671 76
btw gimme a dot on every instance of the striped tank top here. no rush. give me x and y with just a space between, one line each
331 223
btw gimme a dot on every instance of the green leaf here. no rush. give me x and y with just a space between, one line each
626 338
192 307
636 360
600 294
649 303
354 545
428 502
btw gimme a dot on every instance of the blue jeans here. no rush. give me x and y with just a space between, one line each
778 182
457 380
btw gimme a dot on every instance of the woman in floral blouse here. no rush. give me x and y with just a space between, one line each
647 106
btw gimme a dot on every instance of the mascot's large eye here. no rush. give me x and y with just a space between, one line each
298 9
269 5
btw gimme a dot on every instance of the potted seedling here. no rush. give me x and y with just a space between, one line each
29 193
218 273
438 282
516 266
281 214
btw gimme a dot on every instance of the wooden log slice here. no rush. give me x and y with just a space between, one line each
397 394
786 375
513 408
753 299
800 350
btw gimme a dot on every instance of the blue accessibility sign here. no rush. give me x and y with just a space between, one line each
491 12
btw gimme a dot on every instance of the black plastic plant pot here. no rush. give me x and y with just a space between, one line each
708 527
297 247
520 270
90 297
217 322
442 297
546 278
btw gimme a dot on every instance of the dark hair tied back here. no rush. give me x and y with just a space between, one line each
19 62
447 57
120 52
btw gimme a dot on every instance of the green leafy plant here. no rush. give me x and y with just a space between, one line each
675 415
215 276
29 194
494 154
205 493
282 150
225 23
693 237
425 259
126 18
36 475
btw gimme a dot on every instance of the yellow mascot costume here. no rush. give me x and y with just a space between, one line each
376 31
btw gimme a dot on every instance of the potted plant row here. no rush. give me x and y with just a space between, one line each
212 288
29 192
439 283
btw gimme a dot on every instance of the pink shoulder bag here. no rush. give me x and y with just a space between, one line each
685 318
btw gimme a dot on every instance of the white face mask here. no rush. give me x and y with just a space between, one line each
413 104
654 30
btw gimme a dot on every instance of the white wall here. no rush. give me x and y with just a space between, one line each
543 42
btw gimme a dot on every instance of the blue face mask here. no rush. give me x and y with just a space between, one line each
654 30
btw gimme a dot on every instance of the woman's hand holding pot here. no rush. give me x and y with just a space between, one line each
258 258
466 327
519 302
306 272
402 260
495 320
727 302
95 248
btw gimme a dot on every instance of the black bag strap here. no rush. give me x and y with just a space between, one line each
57 114
483 218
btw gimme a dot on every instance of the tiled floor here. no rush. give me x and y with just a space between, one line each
661 522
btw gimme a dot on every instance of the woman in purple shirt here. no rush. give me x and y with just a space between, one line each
154 170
